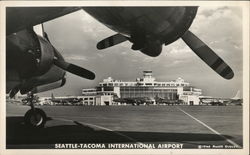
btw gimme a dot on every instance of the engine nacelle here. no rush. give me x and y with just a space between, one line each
49 86
47 81
30 63
29 54
152 48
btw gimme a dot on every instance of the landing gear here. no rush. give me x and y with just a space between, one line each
34 117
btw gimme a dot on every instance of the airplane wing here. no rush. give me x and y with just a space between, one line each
18 18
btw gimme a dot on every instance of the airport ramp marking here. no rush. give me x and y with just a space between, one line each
100 127
211 129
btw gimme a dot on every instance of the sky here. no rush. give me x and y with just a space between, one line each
77 34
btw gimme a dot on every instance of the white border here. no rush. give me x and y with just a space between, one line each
243 4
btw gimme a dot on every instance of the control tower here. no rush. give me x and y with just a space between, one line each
147 76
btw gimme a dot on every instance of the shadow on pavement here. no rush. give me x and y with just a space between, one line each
17 134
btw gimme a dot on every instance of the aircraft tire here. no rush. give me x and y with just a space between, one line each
35 118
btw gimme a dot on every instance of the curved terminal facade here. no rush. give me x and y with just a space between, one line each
145 87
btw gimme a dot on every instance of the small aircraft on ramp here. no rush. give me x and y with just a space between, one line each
135 100
65 100
236 100
168 101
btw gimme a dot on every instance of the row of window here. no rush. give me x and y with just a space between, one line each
105 88
116 84
141 84
86 91
88 98
132 88
169 96
89 103
148 89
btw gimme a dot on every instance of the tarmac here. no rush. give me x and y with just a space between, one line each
128 127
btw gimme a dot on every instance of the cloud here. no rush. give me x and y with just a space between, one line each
76 57
177 52
221 20
100 55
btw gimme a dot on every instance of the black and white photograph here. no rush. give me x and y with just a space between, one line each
161 77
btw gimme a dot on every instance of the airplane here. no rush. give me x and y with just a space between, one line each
168 102
148 28
134 100
33 64
65 100
236 100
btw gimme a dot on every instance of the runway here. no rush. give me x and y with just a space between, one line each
197 127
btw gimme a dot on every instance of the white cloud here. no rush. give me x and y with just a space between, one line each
76 57
217 22
101 55
176 51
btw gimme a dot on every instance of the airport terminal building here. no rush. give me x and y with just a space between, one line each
147 86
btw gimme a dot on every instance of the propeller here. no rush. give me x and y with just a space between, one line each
74 69
111 41
208 55
150 48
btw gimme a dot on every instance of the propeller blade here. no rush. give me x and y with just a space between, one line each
14 91
45 35
208 55
111 41
74 69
